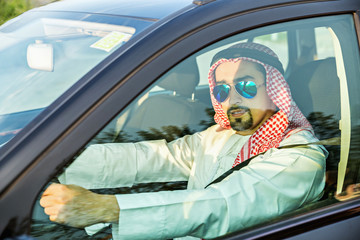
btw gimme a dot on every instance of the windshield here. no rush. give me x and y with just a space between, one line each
42 54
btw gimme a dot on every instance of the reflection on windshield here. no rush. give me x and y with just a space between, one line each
43 54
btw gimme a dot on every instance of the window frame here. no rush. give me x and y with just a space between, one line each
45 147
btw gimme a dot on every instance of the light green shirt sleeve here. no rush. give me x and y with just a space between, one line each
120 165
272 184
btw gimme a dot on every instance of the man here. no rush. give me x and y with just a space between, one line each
255 114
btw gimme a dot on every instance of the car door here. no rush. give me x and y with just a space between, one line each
110 92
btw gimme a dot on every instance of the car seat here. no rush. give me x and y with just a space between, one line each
315 88
171 113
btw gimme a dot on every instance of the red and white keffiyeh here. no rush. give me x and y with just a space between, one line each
288 119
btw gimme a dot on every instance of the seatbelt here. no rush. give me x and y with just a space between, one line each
330 141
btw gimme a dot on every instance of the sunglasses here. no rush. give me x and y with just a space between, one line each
246 89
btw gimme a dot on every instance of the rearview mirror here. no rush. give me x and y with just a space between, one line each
40 56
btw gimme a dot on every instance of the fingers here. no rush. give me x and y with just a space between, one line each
54 200
54 188
52 211
48 201
54 194
54 215
55 218
52 208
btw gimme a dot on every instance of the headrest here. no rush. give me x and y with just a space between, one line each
182 79
315 87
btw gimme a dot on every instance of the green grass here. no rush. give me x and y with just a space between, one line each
12 8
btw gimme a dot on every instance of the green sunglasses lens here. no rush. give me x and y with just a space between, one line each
246 89
221 92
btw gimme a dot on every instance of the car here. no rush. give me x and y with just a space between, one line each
79 72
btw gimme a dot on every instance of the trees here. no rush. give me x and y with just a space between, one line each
12 8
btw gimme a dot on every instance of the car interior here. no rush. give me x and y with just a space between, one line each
307 73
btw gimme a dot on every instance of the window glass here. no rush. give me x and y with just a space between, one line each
165 142
46 53
324 43
278 43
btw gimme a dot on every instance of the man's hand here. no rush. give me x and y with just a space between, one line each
78 207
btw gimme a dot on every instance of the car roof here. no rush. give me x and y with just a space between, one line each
154 9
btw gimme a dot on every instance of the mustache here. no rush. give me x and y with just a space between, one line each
235 107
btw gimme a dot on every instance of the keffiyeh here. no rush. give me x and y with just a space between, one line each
289 117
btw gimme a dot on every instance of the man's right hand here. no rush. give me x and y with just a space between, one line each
78 207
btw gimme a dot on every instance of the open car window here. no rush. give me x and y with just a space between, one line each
321 61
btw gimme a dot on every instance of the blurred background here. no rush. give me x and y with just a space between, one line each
12 8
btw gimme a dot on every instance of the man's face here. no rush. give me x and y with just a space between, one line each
246 115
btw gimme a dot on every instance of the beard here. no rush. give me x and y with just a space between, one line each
242 123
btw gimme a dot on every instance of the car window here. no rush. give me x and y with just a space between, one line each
46 53
170 119
278 42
